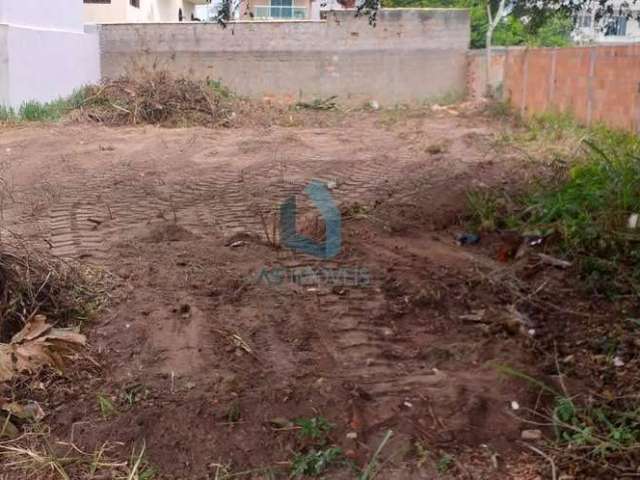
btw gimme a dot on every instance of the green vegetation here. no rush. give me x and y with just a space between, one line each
550 30
598 429
585 207
107 408
315 462
315 428
593 431
445 462
316 456
555 32
33 111
220 89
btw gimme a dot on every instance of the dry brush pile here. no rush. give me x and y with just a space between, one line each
156 97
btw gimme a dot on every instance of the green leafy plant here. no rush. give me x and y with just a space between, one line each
220 89
107 408
315 428
315 462
444 463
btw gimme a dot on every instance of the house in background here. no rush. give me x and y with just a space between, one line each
279 10
621 27
137 11
290 9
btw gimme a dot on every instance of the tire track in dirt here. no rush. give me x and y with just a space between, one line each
229 200
98 208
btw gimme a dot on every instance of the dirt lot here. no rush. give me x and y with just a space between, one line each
206 363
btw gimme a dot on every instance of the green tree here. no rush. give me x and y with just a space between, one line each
554 32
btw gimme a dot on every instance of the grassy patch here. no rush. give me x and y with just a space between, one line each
584 205
33 111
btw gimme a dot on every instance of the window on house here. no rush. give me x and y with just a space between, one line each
135 3
282 8
617 27
584 20
97 1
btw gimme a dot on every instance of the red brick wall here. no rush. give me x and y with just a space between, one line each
596 84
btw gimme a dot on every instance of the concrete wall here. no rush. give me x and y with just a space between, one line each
44 50
409 56
595 84
477 75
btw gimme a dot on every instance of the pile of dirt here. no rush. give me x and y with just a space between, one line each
156 97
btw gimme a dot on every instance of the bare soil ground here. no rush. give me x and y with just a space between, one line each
202 360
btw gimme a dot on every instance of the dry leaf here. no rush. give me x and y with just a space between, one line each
37 345
27 411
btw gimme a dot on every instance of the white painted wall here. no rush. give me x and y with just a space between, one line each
58 14
45 52
114 12
121 11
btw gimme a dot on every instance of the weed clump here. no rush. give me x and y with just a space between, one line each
33 111
585 206
599 436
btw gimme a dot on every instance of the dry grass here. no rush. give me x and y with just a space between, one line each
35 455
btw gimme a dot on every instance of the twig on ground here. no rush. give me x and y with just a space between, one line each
554 475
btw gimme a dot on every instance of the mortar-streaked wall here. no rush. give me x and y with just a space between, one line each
410 55
595 84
